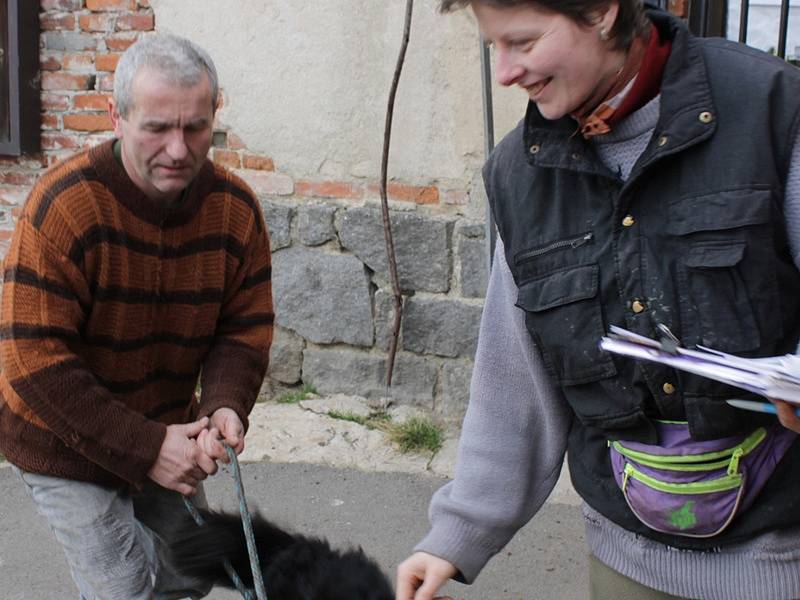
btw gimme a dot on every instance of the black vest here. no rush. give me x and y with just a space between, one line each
694 239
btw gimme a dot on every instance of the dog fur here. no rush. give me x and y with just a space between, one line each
294 567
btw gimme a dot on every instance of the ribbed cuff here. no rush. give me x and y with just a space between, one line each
459 543
765 568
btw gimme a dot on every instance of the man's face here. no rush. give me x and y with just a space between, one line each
166 134
559 63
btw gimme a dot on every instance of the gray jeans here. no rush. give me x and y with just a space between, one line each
113 554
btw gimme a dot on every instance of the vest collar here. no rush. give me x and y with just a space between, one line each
687 113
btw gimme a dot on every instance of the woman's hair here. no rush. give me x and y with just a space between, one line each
630 22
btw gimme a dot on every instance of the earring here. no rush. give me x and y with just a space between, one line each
604 35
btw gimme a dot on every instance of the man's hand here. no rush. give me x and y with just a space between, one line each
421 575
226 426
181 464
787 415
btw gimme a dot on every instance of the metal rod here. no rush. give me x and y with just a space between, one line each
488 141
743 15
783 28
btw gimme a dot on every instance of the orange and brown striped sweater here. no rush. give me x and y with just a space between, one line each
112 305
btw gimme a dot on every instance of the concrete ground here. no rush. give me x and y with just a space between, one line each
334 478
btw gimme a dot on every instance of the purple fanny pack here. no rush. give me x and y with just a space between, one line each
691 488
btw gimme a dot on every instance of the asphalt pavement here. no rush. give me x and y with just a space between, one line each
385 513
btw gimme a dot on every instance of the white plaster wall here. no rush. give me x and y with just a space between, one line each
306 82
763 19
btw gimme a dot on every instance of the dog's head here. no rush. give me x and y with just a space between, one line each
295 567
311 570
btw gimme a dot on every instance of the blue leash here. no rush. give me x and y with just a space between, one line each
247 525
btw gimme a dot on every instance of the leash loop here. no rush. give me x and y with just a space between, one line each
247 525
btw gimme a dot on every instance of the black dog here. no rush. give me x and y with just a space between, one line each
294 567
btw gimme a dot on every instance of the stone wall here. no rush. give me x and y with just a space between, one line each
335 308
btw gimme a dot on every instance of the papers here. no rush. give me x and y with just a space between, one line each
774 377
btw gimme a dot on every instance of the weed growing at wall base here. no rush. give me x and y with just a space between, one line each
294 397
418 434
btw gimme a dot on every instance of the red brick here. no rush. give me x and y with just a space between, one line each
106 62
119 42
98 22
56 21
106 5
57 156
227 158
49 121
67 5
105 83
55 102
66 81
13 196
96 139
49 62
679 8
79 63
260 163
17 177
235 142
455 197
28 161
92 101
88 122
58 141
268 183
410 193
74 40
144 3
328 189
137 22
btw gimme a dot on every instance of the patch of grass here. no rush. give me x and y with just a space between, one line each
347 416
297 396
418 434
375 420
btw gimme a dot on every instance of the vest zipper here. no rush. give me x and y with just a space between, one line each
573 243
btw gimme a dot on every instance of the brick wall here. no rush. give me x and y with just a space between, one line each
317 225
80 45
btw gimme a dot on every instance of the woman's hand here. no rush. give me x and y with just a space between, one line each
787 415
421 575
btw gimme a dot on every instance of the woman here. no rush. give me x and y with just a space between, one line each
654 181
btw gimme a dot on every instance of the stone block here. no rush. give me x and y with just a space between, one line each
384 318
442 327
456 376
279 223
359 373
422 246
474 274
286 357
322 297
315 224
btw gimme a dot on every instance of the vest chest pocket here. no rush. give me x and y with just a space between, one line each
719 296
563 314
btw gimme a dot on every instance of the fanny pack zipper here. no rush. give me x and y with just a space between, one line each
696 462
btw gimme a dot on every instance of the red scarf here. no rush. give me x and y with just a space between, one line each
643 65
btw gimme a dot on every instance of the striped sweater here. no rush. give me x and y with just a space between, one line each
112 304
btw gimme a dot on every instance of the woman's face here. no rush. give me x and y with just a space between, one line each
557 61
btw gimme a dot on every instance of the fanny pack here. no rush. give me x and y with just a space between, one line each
695 489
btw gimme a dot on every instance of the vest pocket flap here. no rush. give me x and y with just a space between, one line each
712 256
559 288
727 209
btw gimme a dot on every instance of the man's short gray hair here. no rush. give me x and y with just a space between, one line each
175 57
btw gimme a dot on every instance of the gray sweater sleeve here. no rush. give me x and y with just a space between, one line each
791 202
512 443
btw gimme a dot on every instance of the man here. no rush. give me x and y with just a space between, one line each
136 268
